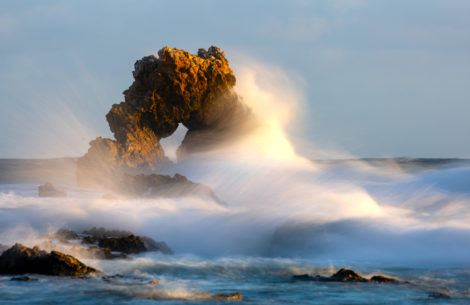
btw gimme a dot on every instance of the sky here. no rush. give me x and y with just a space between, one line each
378 78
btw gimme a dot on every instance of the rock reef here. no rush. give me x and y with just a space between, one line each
110 244
172 88
21 260
345 275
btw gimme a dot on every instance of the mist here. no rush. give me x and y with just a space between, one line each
278 202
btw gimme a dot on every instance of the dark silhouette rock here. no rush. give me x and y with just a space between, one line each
130 244
48 190
23 279
20 260
172 88
344 275
382 279
122 241
303 277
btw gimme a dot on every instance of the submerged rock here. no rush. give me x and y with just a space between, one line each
382 279
438 295
172 88
344 275
48 190
23 279
20 260
237 296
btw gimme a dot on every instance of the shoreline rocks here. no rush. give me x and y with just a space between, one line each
111 244
22 260
345 275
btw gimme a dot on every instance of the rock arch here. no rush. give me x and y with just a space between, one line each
171 88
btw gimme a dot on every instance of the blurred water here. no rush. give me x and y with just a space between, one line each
280 220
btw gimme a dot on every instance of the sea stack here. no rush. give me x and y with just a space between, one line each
173 88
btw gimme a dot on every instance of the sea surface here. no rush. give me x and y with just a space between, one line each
404 218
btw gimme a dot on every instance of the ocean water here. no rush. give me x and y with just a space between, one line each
408 219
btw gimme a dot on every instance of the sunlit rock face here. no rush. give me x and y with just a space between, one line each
175 87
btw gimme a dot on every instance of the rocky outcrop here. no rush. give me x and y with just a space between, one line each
48 190
344 275
172 88
124 242
382 279
154 185
20 260
100 243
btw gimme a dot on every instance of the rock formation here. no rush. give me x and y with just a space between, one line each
48 190
174 88
345 275
108 242
20 260
153 186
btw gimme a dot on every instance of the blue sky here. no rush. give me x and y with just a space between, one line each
380 78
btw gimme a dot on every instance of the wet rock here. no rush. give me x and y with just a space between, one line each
382 279
104 244
344 275
20 260
303 277
129 245
123 241
174 88
237 296
23 279
48 190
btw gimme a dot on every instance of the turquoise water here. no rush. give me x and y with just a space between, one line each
260 280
